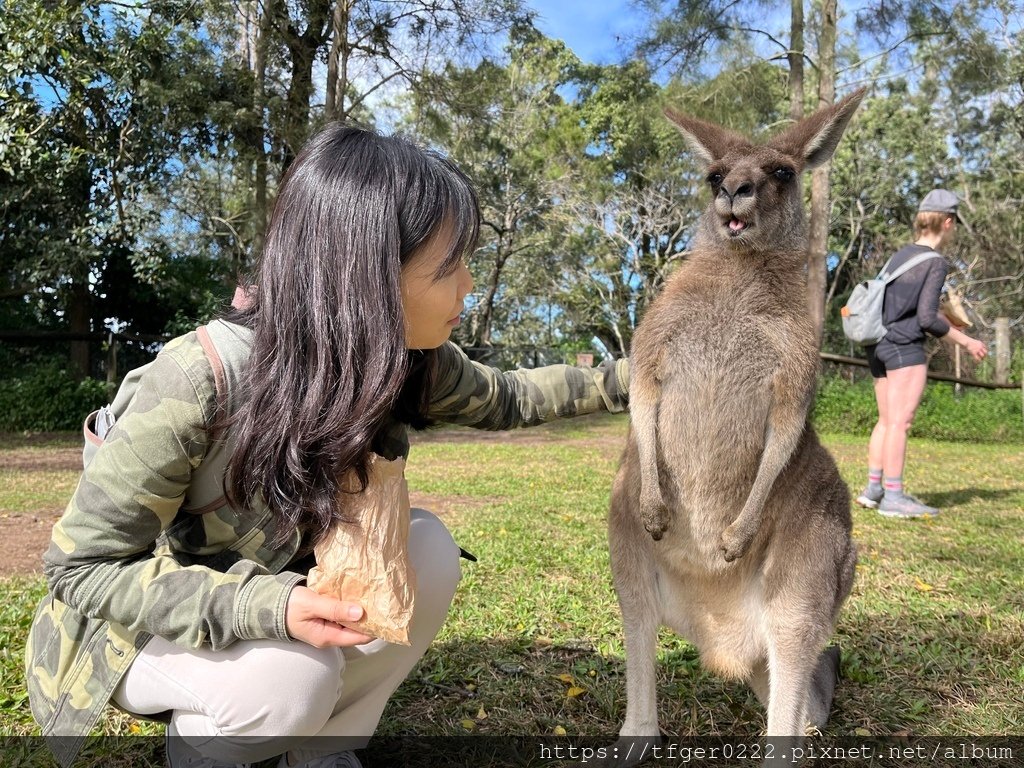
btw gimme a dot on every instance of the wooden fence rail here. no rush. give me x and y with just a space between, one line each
844 360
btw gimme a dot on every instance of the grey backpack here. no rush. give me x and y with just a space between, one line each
862 315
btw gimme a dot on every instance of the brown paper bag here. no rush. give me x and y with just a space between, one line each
951 304
368 562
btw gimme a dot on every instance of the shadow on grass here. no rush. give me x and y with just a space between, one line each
959 496
495 702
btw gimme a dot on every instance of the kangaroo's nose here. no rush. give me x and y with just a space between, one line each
744 189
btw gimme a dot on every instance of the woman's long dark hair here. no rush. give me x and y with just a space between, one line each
329 364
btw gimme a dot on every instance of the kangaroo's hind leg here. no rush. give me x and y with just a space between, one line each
822 690
636 589
823 687
793 653
633 573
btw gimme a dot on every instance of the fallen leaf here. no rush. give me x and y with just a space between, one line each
468 724
862 732
567 679
481 714
922 586
559 731
575 691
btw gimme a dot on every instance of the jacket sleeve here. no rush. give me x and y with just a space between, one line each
479 396
928 314
107 558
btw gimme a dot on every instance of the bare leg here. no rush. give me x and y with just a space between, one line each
904 391
877 444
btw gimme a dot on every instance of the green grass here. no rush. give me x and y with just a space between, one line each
931 634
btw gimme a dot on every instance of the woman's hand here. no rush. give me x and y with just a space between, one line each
976 348
319 620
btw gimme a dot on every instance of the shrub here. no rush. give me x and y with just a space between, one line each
977 415
47 398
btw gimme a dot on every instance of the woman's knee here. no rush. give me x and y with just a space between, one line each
434 554
294 693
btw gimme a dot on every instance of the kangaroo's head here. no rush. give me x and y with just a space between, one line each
756 201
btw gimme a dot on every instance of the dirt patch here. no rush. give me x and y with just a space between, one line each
448 508
42 460
23 539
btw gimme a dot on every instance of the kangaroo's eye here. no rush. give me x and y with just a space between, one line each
714 179
784 174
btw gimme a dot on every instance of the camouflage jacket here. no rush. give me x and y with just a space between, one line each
134 556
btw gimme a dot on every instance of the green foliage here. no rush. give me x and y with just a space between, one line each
47 398
102 102
977 415
506 123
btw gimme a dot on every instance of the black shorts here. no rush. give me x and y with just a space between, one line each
887 356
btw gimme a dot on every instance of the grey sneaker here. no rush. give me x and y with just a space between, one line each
336 760
181 755
904 506
870 496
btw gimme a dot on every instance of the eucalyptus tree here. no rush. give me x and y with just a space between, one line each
506 122
98 99
315 60
947 111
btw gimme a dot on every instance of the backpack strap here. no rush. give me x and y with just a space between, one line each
910 264
227 348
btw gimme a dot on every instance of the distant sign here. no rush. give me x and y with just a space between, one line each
585 359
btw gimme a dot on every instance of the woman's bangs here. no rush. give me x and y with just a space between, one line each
465 218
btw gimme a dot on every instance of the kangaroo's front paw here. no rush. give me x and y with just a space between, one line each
735 542
655 518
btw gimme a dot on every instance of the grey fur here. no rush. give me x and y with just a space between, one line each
729 521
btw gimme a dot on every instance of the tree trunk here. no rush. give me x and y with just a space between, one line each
483 335
302 47
796 61
818 241
1003 356
337 62
79 309
259 106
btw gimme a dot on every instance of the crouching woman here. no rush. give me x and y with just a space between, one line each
188 604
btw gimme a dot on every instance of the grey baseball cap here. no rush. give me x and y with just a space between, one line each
939 200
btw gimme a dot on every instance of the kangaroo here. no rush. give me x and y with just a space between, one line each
729 522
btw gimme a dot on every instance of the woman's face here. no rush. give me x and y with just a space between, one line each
432 305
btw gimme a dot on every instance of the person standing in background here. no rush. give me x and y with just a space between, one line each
898 362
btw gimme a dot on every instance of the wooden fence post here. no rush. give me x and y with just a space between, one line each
111 361
1002 350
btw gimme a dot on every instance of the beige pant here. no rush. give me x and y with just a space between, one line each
257 699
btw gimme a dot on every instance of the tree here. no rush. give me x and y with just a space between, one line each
817 241
99 97
509 128
369 47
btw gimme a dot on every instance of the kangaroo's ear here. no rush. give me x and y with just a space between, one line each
816 136
709 142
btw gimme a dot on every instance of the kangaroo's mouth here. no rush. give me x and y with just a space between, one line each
737 227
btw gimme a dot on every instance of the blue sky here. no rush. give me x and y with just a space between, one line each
588 27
